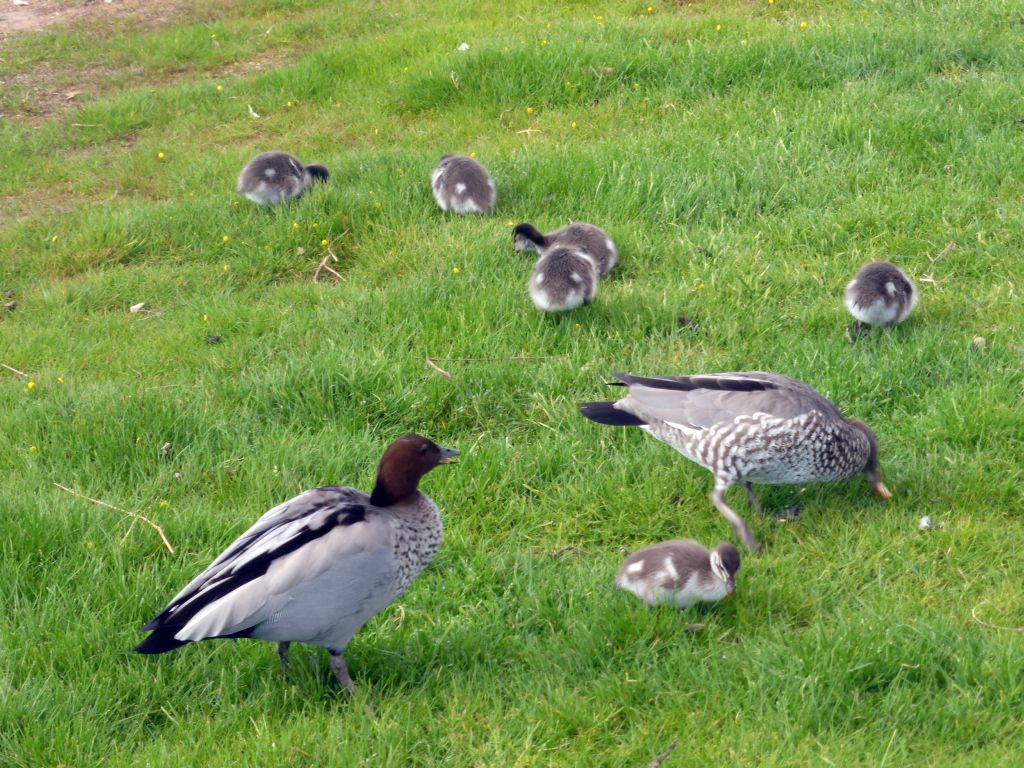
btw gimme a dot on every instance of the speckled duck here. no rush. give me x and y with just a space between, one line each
747 427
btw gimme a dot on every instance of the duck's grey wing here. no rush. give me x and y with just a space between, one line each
292 542
706 400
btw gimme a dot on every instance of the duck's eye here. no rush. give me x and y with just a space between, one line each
424 448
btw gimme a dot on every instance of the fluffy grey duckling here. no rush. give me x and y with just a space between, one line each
747 427
585 237
563 279
880 294
680 572
316 568
462 185
274 177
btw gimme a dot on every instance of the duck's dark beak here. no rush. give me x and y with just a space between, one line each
881 491
448 455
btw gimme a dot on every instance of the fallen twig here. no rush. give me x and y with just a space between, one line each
662 757
983 623
323 266
14 370
135 515
929 276
437 368
515 358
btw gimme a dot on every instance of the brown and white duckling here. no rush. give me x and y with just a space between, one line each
680 572
462 185
316 568
747 427
585 237
563 279
880 294
274 177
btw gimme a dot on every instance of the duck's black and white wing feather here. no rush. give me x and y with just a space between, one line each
327 538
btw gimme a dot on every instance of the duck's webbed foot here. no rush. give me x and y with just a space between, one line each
340 670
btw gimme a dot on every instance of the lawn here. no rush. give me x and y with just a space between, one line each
746 157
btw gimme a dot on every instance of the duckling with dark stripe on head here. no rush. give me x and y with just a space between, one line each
579 235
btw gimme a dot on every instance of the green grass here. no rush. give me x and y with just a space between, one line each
745 174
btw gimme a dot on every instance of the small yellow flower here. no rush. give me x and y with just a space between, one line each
225 238
472 154
529 110
599 19
225 267
289 105
205 318
455 270
220 87
376 205
90 546
507 49
743 42
295 225
803 25
372 193
636 86
30 386
578 325
160 155
163 503
53 239
313 225
718 28
60 379
33 449
213 36
650 9
771 2
405 69
573 124
323 242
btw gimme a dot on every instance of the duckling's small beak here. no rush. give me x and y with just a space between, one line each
448 455
881 491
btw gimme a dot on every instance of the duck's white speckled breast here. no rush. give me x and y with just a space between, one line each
762 448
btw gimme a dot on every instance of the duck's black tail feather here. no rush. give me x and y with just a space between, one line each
607 413
160 642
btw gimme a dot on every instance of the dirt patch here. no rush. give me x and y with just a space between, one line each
35 15
46 87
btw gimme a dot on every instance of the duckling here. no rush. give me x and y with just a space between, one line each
585 237
563 279
462 185
316 568
680 572
880 294
274 177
